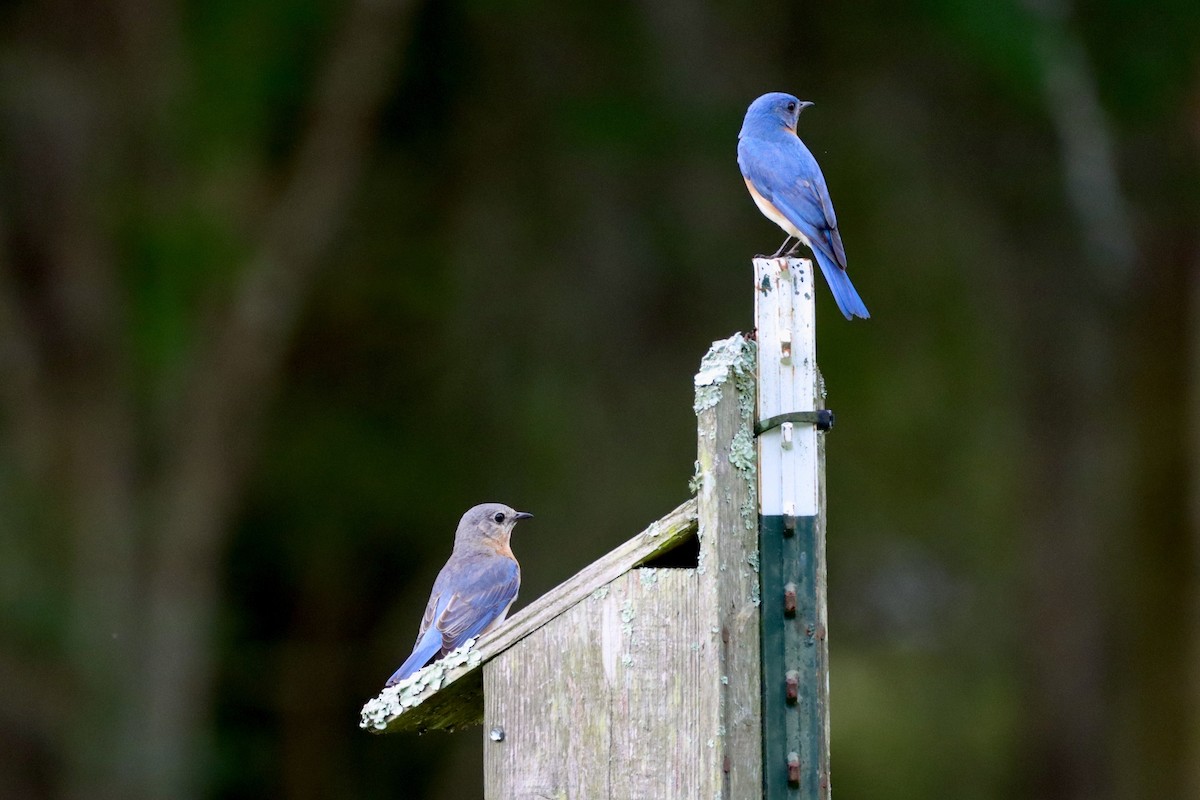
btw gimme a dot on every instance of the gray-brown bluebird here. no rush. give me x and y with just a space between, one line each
473 592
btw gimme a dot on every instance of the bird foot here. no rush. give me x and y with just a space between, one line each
783 247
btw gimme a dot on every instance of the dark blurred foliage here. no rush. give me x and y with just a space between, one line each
285 287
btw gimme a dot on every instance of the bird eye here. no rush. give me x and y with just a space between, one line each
498 516
791 107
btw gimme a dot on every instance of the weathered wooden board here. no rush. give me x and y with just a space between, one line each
729 565
604 701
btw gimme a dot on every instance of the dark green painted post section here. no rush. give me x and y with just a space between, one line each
793 633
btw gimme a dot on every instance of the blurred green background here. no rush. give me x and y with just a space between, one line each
287 286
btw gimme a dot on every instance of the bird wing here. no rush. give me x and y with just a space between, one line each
788 176
432 609
468 595
484 588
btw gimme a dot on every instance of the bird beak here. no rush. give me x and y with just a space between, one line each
522 515
805 104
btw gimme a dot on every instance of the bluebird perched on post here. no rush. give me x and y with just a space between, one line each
789 189
473 592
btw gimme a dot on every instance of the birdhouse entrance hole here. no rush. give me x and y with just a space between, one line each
685 555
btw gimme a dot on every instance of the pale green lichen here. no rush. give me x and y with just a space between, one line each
627 660
649 576
743 454
600 593
696 480
755 587
732 356
749 509
416 688
627 614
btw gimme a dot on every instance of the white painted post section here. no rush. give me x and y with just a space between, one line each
785 318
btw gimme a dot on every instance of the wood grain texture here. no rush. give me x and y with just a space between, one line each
454 699
729 583
604 701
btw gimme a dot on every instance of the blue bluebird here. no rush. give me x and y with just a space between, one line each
473 592
789 189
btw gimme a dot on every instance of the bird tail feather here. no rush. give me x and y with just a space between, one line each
848 301
426 649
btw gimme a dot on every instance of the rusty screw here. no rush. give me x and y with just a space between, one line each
789 600
793 764
791 682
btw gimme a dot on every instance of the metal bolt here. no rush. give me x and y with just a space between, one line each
496 734
791 682
824 419
793 766
789 600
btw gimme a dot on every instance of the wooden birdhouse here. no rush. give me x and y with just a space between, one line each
648 673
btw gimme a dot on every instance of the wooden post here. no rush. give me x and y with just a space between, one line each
795 655
726 499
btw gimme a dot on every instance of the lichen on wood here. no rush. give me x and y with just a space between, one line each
416 688
727 357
